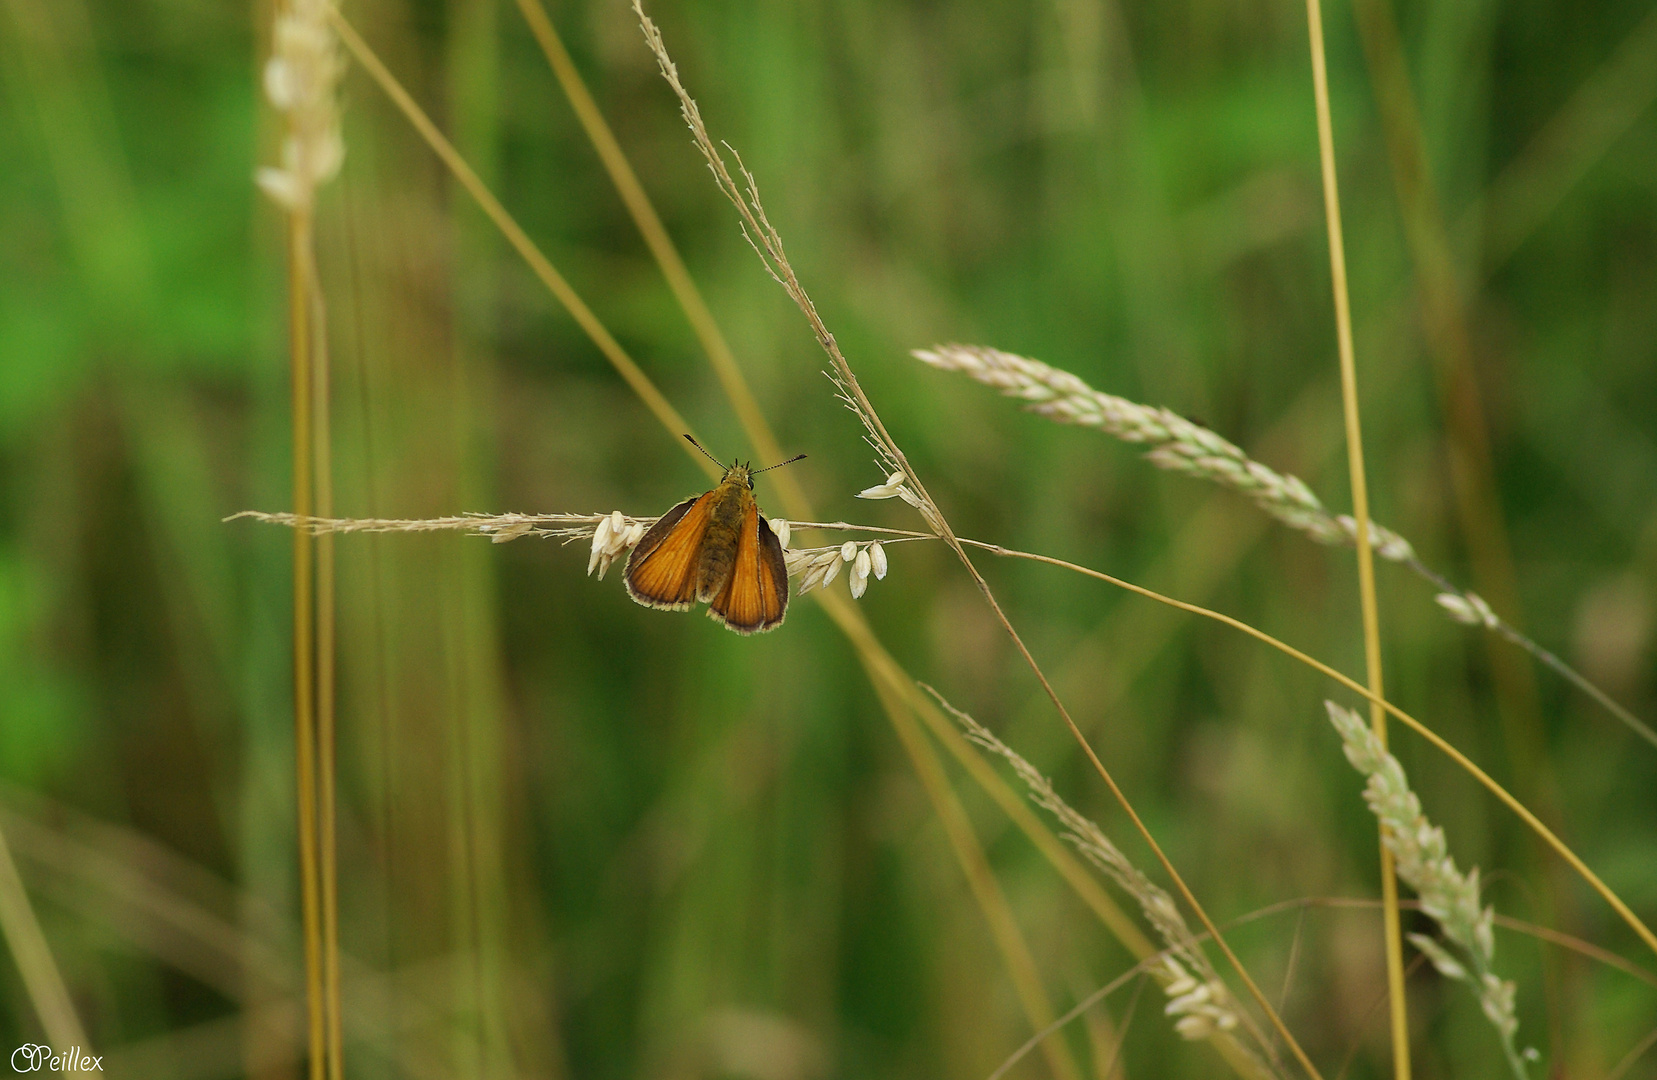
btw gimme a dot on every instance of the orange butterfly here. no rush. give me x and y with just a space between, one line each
715 549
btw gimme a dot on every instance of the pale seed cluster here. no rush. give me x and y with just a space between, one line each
612 537
1202 1009
893 488
1175 443
1469 608
1423 862
817 567
300 81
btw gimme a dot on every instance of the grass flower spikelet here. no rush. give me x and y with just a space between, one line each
300 81
1423 862
1175 443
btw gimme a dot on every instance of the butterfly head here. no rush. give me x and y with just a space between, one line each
739 475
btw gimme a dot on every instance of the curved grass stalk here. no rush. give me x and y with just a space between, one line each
1181 445
501 527
1616 902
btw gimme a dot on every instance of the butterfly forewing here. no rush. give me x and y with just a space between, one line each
661 572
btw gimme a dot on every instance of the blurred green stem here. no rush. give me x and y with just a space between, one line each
41 978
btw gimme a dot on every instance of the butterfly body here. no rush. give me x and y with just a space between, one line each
732 502
718 550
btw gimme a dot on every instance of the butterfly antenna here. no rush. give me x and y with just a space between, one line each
780 464
704 450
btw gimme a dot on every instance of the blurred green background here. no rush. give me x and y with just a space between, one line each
583 839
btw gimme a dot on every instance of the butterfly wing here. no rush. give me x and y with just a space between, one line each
757 595
661 572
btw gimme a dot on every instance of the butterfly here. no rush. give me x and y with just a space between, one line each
715 549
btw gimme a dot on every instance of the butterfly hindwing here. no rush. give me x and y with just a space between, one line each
661 572
757 595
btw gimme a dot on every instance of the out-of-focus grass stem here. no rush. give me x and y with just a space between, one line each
520 241
1360 511
304 673
666 253
326 736
41 978
992 901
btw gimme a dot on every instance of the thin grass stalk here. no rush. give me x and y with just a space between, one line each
1443 302
1443 298
520 241
1620 1069
1397 1005
666 253
304 675
1200 1000
1579 133
580 526
326 738
300 79
1184 446
1531 820
767 243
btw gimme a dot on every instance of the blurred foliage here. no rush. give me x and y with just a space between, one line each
580 838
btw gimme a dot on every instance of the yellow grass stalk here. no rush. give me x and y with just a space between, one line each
1360 511
300 79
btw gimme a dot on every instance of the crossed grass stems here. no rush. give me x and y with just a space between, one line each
893 686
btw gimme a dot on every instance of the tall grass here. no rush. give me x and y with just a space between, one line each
579 837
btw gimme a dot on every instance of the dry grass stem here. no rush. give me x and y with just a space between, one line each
767 243
1450 897
1524 814
571 527
1181 445
1199 1000
301 81
583 315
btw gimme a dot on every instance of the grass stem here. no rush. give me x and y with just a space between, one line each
304 672
1360 511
